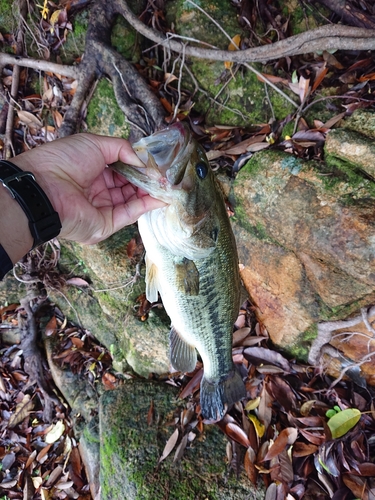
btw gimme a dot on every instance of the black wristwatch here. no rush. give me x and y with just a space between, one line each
44 221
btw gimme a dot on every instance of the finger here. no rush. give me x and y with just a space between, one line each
114 149
124 215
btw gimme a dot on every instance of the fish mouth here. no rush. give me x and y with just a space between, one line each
165 155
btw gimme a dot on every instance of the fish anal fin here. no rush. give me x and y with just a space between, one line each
216 398
187 277
151 281
183 356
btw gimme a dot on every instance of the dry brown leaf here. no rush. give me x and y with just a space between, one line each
258 146
180 449
332 121
303 449
51 327
240 335
43 452
57 118
76 281
171 443
261 355
265 408
233 431
272 78
22 411
29 119
286 437
242 147
249 464
192 385
319 77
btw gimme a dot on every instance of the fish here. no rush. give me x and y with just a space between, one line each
191 260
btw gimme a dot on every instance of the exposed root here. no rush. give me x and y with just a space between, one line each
330 37
32 355
141 107
325 332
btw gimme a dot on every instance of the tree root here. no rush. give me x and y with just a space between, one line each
326 329
141 107
329 37
32 355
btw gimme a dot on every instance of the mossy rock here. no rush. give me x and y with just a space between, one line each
108 307
130 450
362 121
104 116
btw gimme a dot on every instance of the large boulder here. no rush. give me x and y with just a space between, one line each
306 237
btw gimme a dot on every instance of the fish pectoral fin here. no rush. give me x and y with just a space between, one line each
183 356
187 277
151 281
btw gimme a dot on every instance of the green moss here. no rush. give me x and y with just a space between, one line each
130 450
104 115
125 40
300 350
7 18
363 121
346 172
74 46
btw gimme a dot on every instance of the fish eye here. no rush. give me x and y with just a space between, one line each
201 169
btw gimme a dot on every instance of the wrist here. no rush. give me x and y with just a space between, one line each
15 235
42 220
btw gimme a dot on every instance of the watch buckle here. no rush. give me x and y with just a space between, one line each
15 177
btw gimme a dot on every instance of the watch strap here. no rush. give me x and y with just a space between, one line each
44 221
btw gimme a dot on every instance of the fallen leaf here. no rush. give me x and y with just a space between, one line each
56 432
22 411
76 281
259 427
233 431
29 119
252 404
171 443
234 45
51 327
249 464
286 437
343 422
180 449
261 355
304 449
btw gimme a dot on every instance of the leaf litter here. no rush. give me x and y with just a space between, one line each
281 430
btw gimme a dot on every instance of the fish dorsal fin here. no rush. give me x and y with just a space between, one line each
151 280
183 356
187 276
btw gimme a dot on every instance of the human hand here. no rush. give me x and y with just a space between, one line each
92 201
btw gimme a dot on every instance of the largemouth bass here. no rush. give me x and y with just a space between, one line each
191 260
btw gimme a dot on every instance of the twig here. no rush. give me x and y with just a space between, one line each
39 64
179 86
329 37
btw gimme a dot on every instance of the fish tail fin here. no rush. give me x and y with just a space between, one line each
215 398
